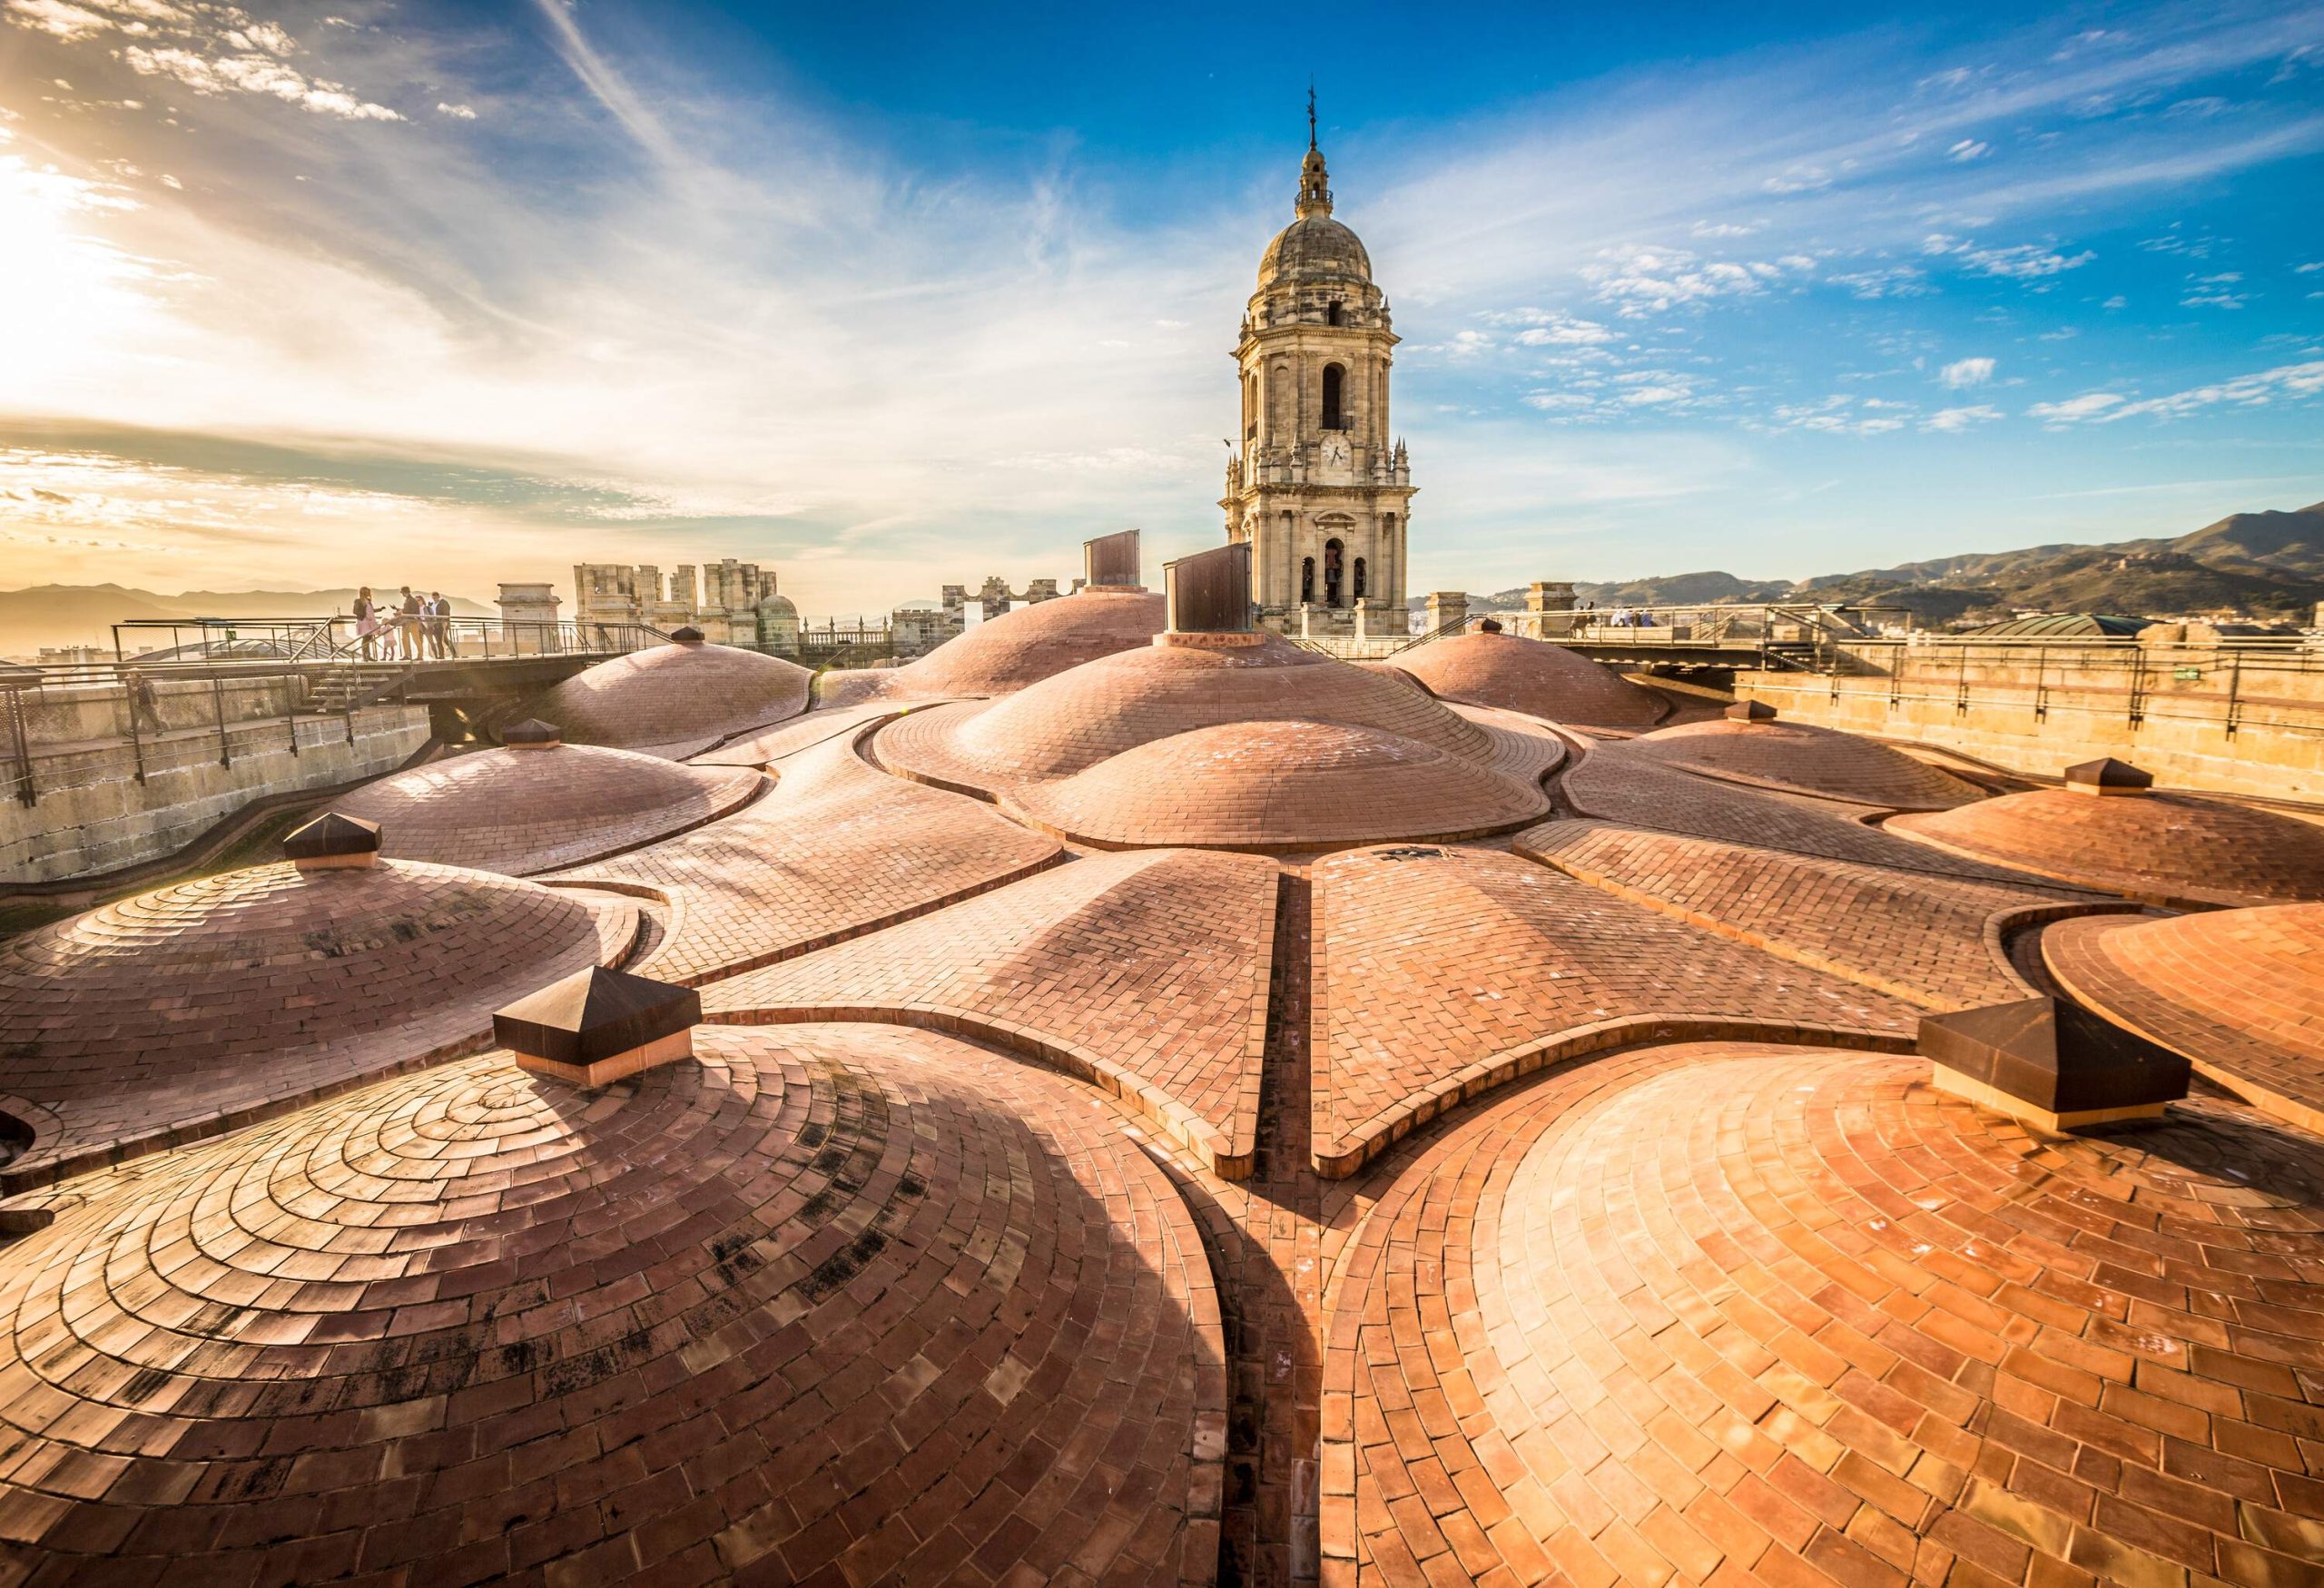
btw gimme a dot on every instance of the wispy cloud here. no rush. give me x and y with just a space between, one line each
2284 383
1963 373
582 259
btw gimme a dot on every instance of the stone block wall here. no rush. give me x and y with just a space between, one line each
2198 717
91 814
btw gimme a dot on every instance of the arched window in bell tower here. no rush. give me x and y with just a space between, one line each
1335 413
1306 581
1359 587
1251 408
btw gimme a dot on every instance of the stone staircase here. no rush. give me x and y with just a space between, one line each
356 684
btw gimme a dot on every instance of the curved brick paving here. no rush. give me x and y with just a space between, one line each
1616 783
201 1006
1147 972
1066 724
837 848
1937 941
524 810
2240 992
1009 652
1441 972
1723 1313
1275 785
800 733
2170 848
1532 676
927 1298
674 699
844 1304
1795 757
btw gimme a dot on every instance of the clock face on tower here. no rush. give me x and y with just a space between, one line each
1338 456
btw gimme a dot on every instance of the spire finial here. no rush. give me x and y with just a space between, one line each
1311 111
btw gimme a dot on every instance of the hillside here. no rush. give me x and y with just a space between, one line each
2270 564
82 615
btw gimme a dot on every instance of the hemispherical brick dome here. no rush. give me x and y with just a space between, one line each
2167 847
1716 1312
1009 652
521 812
1811 759
2240 992
1069 723
677 698
847 1305
1533 676
191 1007
1272 784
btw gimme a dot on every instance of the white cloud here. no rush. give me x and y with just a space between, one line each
2089 405
1800 179
2284 382
852 341
1647 281
1968 149
59 18
1950 419
1963 373
2023 262
466 112
256 74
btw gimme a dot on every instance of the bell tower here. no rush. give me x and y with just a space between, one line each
1317 487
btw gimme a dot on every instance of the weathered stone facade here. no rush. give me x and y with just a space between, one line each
1319 490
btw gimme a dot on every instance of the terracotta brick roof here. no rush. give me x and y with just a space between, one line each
1278 785
1009 652
2240 992
197 1007
674 699
1937 941
2168 848
1429 1212
1616 783
1533 676
1146 974
1721 1313
1443 971
525 811
1798 758
839 1304
836 850
1064 725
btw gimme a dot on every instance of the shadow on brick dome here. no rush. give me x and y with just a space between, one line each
470 1322
203 1005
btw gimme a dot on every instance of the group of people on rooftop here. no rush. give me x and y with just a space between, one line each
409 629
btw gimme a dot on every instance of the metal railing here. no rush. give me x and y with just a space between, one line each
228 687
334 638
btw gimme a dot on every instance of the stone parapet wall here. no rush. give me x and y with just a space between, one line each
91 814
2198 717
64 714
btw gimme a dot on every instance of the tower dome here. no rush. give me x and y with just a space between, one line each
1315 247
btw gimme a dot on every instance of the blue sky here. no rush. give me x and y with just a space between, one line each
316 292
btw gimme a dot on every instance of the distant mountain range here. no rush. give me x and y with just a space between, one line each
2268 564
84 615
